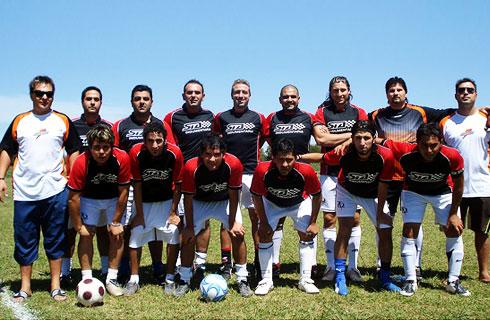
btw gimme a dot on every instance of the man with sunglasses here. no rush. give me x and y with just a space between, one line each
467 130
35 139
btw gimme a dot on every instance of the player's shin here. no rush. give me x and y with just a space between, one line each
455 254
307 252
265 258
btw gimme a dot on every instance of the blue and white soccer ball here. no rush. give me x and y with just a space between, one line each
213 288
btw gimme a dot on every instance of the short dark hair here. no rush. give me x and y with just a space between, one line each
90 88
154 127
141 87
427 130
212 140
288 86
395 80
40 79
102 133
460 81
363 126
283 145
193 81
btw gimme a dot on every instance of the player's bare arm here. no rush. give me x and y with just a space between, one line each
5 161
264 225
324 138
116 228
313 228
173 217
74 210
381 217
310 157
139 219
72 157
188 232
453 221
236 229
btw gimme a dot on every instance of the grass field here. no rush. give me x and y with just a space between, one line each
286 301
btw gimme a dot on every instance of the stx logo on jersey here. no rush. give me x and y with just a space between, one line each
426 177
134 134
197 126
214 187
84 140
340 126
154 174
232 128
104 178
355 177
284 193
283 128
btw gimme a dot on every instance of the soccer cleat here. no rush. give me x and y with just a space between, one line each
114 288
66 281
199 274
409 287
225 270
264 287
354 275
456 288
181 289
169 287
308 286
418 273
244 289
276 271
390 286
329 274
131 288
341 286
315 272
159 278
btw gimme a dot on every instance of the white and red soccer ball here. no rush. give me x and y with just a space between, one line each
90 292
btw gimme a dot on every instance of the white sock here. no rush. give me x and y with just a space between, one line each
378 260
170 277
185 274
241 272
418 247
265 259
111 275
329 236
66 266
178 262
408 253
353 247
455 254
86 274
201 259
104 264
276 240
306 254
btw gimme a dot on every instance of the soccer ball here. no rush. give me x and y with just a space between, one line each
213 288
90 292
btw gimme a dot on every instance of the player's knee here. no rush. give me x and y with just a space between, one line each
329 220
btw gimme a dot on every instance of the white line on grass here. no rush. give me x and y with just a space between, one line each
20 311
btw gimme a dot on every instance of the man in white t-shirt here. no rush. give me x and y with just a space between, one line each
467 131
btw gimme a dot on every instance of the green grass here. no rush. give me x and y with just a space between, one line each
286 301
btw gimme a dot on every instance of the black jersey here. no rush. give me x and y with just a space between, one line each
83 128
296 126
242 133
128 132
188 129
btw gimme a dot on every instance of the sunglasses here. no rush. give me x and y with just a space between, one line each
463 90
40 94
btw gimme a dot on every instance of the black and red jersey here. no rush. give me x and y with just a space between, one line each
337 122
242 133
158 175
188 129
83 128
100 181
295 125
427 178
361 177
213 185
285 191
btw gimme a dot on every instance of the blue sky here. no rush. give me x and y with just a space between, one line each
118 44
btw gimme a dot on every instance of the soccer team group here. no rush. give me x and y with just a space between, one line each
145 181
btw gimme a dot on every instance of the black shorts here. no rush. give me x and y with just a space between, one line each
395 188
475 213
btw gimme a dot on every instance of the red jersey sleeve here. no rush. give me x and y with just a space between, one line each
313 118
78 173
331 158
188 182
312 184
399 148
236 168
135 163
170 134
263 129
216 127
115 130
362 113
456 160
179 163
319 115
258 185
122 157
388 170
267 126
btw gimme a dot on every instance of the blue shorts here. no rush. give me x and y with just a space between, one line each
49 215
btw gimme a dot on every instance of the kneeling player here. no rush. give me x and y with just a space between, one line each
99 183
211 187
286 188
431 169
157 174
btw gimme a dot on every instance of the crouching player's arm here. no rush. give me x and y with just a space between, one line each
236 229
382 218
330 158
173 217
265 230
139 219
116 228
188 232
313 228
74 209
454 222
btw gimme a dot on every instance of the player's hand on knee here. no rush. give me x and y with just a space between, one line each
116 229
237 230
312 230
265 229
188 235
455 223
173 218
83 231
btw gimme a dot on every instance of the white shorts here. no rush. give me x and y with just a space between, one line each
128 215
180 207
348 203
97 212
300 213
218 210
246 196
414 204
157 227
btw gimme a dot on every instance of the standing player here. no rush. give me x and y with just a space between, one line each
157 174
91 103
99 184
36 139
338 115
128 132
211 186
243 131
399 121
467 130
285 188
433 175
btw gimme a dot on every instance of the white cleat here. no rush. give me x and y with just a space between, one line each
264 287
308 286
